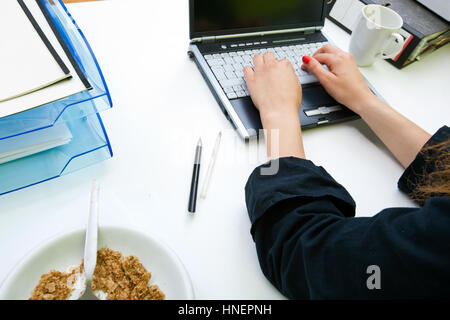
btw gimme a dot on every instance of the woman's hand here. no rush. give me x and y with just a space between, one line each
274 87
343 82
277 94
346 84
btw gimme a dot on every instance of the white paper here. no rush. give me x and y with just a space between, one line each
347 12
37 141
49 94
26 63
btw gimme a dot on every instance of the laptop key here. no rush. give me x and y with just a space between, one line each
220 75
217 68
247 58
302 72
240 94
228 89
238 67
232 82
239 74
228 67
232 95
230 75
228 60
308 79
292 60
238 59
215 62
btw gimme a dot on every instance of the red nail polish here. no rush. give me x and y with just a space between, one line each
306 59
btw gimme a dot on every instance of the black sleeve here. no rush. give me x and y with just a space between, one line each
310 246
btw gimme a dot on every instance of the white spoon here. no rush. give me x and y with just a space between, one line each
90 247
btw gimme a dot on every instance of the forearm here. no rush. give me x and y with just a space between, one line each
401 136
283 136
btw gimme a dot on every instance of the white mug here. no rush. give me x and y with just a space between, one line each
375 37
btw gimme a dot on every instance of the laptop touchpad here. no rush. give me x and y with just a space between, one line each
319 107
316 96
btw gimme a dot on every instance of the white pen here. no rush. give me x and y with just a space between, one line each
210 167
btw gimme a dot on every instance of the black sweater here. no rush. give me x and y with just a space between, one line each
310 245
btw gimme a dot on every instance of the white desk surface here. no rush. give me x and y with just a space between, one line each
161 107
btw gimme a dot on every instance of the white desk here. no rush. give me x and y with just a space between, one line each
161 107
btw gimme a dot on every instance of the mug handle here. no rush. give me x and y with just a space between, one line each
394 44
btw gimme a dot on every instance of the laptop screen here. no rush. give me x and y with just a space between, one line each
218 17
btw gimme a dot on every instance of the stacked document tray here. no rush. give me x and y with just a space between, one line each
78 115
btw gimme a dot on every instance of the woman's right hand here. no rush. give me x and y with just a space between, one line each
343 81
346 84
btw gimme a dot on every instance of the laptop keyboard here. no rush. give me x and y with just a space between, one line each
228 66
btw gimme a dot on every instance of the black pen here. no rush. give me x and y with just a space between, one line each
195 177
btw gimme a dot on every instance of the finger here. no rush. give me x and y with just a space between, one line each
249 74
269 57
258 61
330 59
316 68
328 48
286 62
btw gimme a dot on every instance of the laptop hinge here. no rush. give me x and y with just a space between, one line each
212 39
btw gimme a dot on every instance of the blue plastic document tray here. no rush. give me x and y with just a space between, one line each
87 141
89 145
73 107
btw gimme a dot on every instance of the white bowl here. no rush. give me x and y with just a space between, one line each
62 251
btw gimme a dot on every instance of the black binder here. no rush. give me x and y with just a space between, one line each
423 30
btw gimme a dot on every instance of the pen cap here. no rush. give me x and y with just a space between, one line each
198 152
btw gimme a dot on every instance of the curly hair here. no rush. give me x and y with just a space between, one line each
436 183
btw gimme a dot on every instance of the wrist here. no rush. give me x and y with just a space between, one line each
278 120
365 104
373 104
283 136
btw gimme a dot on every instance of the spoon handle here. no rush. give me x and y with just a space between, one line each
90 246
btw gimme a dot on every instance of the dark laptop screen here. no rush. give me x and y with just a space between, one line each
215 17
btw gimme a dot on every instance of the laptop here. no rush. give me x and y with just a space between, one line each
226 34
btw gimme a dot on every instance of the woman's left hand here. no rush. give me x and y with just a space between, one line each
277 94
274 87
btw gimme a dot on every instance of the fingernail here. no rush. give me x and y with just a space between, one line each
306 59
